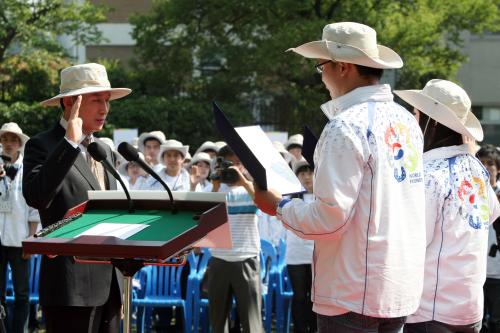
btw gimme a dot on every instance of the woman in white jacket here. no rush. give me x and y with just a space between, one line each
460 206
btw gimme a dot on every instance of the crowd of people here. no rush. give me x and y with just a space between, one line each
393 232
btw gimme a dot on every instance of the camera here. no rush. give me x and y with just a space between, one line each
223 172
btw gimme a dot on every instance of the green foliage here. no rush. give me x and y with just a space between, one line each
179 118
32 118
233 51
30 55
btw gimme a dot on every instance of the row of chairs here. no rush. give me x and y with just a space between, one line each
34 273
160 287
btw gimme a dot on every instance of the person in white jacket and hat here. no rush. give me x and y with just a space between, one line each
18 221
367 220
460 206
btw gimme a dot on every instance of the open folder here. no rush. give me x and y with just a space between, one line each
257 153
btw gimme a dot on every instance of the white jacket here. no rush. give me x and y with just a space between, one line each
458 218
368 217
14 226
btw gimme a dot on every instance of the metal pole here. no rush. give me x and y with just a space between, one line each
127 304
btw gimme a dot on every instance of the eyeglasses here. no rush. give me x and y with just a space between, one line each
319 67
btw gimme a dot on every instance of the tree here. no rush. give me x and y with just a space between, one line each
233 51
30 55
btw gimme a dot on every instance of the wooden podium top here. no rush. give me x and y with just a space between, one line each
164 235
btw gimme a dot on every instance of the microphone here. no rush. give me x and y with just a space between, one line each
132 155
98 153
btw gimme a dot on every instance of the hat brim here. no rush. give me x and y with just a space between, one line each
442 114
144 136
183 150
23 137
116 93
323 49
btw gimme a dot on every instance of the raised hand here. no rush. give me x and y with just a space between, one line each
74 131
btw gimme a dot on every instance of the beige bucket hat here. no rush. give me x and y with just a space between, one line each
296 139
201 157
448 104
297 164
207 145
172 145
353 43
158 135
85 79
14 129
281 149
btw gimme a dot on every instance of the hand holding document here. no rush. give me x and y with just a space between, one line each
279 176
258 155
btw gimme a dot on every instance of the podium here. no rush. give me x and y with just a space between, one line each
201 221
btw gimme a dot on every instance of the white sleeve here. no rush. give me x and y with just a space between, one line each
338 177
33 215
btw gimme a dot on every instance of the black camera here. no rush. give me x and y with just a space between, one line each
223 172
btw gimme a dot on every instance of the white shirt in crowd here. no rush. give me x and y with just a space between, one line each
180 183
458 216
299 251
243 221
270 228
14 227
368 219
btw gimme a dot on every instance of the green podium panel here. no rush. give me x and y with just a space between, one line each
164 236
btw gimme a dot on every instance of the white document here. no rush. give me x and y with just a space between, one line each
279 175
118 230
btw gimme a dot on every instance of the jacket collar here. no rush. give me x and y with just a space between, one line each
375 93
446 152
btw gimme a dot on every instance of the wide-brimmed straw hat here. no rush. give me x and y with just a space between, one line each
448 104
14 129
85 79
294 140
158 135
173 145
353 43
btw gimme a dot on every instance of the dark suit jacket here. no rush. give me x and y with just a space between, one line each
56 178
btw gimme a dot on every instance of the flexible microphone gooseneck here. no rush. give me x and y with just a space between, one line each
132 155
98 153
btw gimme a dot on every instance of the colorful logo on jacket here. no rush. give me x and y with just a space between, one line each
404 157
474 202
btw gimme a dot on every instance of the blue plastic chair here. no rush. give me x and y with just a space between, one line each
200 305
284 293
163 289
34 278
268 275
9 287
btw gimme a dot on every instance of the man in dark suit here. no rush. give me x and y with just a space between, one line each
57 175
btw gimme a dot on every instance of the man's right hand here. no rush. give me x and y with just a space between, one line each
74 130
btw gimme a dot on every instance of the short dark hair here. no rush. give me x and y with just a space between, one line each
369 71
225 151
304 168
437 135
149 138
491 152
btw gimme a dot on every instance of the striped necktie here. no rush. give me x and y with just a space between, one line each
96 167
